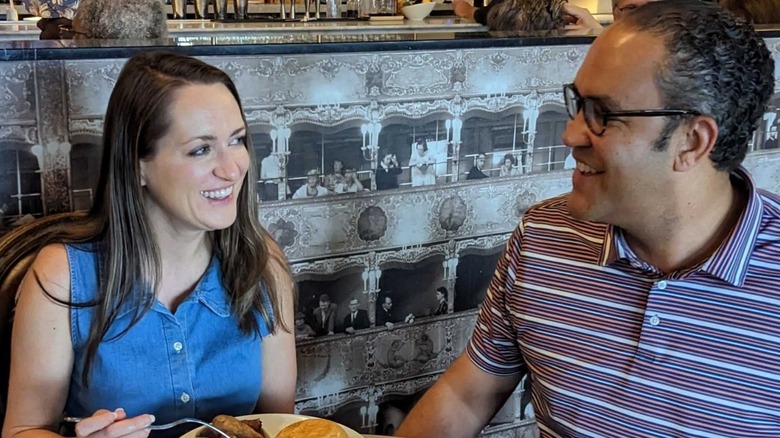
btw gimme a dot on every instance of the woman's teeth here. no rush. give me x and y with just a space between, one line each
217 194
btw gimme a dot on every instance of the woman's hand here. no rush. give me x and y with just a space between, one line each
114 424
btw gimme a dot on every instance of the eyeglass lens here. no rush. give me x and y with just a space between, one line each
594 116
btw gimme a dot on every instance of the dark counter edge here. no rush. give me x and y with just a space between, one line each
96 49
52 50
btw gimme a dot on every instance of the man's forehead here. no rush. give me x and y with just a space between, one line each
620 56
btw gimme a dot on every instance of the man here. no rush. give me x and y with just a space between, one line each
387 173
644 302
384 315
357 319
325 316
476 170
441 299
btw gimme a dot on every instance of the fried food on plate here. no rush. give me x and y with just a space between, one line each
234 427
315 427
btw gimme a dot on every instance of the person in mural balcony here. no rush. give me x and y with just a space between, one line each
312 188
350 183
476 170
168 283
441 300
644 302
302 329
422 165
357 318
325 316
508 166
387 173
335 178
384 315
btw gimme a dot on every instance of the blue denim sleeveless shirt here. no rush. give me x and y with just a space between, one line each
192 363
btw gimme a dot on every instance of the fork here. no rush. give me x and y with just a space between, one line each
166 425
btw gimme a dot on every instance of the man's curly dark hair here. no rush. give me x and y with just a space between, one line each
716 65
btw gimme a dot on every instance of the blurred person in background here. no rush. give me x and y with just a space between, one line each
125 19
52 8
111 19
531 15
754 11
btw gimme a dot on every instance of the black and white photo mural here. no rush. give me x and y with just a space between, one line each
391 180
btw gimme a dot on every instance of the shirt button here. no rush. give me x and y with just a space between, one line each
655 320
177 346
661 284
185 397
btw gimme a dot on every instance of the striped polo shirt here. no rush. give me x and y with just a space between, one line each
617 348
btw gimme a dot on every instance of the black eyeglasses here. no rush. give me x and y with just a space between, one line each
68 33
597 117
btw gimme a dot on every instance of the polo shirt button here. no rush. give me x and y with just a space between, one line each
185 397
177 346
655 320
661 284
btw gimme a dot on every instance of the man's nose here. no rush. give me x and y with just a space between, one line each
577 133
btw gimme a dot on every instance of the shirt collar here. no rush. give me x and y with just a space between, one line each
729 262
210 292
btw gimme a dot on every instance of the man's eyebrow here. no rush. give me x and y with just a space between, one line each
605 101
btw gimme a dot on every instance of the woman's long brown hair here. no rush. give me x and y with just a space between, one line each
137 117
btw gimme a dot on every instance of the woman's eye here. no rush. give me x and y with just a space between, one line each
238 141
200 151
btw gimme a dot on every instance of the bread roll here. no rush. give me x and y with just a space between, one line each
313 428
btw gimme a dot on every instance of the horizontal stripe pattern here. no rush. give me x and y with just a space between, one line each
617 349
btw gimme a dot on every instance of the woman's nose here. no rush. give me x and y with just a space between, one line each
228 166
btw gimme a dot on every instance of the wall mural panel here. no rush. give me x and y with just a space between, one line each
424 163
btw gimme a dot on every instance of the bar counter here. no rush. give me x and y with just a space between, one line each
314 93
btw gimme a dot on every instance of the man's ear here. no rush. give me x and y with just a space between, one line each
701 133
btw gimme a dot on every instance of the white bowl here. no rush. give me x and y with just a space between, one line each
418 12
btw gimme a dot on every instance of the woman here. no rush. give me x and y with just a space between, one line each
508 166
421 164
167 299
350 183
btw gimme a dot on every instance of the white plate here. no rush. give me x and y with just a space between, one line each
273 424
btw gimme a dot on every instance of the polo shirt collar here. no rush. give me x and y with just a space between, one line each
729 262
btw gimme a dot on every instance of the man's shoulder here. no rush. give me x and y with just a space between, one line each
771 203
550 221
